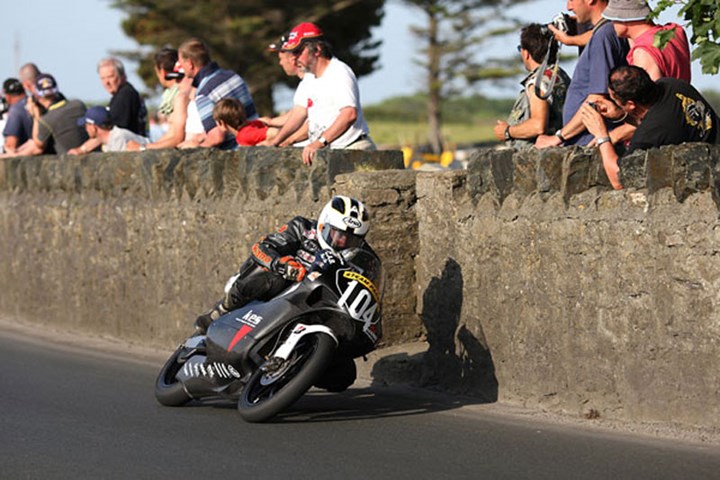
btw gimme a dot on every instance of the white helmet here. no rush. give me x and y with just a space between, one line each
342 223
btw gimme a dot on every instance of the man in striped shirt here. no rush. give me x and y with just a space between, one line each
213 84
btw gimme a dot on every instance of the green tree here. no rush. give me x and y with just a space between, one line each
454 32
703 17
238 33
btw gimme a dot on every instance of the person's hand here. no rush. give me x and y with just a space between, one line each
609 109
559 35
324 259
546 141
290 268
499 130
132 146
593 121
32 108
310 151
75 151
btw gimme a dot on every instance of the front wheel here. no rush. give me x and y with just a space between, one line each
277 385
168 390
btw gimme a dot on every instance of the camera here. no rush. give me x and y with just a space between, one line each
565 23
174 76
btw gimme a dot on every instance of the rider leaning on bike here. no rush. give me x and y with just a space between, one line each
285 256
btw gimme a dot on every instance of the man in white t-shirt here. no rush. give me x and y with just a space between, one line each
333 110
98 124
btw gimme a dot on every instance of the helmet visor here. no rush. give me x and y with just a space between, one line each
341 240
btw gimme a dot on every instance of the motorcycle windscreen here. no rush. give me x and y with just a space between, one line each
361 293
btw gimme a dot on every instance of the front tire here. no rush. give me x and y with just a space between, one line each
268 393
168 390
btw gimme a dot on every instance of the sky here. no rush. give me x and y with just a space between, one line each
67 39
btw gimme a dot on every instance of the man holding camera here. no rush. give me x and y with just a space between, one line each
666 112
538 108
603 52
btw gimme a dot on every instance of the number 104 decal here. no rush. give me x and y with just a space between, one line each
359 298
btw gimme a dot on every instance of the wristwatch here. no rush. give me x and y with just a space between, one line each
507 134
602 140
560 135
323 141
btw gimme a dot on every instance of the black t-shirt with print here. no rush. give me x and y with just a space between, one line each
680 115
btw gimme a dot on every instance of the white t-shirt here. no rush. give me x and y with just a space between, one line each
119 137
2 138
193 124
335 89
302 93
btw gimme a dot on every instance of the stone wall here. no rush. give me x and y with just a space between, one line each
530 280
137 245
577 298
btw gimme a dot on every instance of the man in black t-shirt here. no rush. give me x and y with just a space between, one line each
666 112
127 108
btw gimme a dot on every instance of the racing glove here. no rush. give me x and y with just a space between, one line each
289 268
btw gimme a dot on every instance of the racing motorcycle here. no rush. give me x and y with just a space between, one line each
266 355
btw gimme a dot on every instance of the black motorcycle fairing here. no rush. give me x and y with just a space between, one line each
236 336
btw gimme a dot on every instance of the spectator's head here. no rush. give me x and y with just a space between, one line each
587 10
307 44
536 39
285 59
13 90
46 87
627 13
193 54
94 120
229 112
632 89
27 75
627 10
165 61
112 74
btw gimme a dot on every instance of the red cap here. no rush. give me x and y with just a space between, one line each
301 32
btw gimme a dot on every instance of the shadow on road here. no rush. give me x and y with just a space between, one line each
369 403
365 403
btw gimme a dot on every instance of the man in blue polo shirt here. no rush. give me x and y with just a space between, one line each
604 52
213 84
19 123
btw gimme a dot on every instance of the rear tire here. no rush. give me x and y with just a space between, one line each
168 390
267 394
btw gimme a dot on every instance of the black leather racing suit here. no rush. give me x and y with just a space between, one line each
258 279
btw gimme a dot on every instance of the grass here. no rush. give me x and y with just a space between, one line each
396 133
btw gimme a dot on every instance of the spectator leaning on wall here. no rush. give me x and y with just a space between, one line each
666 112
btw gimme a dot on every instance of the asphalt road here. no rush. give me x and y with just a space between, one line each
69 413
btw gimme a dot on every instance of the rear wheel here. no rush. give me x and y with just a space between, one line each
168 390
278 384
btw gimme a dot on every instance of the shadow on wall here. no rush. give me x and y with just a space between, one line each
457 360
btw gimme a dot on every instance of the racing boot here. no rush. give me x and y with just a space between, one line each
202 323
